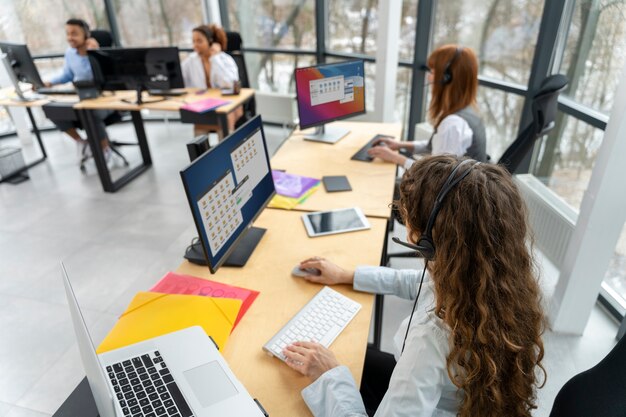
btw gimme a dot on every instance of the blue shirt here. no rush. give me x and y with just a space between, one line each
76 68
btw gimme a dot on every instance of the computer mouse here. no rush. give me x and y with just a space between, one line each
297 272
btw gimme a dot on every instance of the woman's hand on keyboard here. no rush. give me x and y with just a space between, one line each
330 274
310 359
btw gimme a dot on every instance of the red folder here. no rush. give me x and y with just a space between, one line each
173 283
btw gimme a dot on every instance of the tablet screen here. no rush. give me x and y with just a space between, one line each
335 221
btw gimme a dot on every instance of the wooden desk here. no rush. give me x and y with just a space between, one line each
281 296
10 99
124 101
372 183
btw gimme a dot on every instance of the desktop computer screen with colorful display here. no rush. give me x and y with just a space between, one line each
227 188
329 92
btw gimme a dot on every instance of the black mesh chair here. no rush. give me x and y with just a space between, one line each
599 391
104 38
544 108
233 48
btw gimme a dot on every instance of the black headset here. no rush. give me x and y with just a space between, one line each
446 78
425 247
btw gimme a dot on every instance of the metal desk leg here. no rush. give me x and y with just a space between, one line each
622 329
37 134
223 122
109 186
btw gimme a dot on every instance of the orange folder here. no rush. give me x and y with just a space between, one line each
153 314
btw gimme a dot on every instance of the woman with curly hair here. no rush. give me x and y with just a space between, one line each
473 347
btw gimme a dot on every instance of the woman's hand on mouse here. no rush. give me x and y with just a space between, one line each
310 359
330 274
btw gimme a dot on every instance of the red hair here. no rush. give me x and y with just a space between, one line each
460 92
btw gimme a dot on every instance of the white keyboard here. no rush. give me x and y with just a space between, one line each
320 320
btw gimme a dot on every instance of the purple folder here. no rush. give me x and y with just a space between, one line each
203 106
292 185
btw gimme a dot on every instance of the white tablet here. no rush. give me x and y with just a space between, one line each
334 221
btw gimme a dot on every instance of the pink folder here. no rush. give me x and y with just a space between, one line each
173 283
205 105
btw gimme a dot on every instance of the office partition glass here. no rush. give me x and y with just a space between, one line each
41 24
157 22
283 24
503 33
595 52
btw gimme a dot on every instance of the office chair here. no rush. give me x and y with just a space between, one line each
234 49
599 391
104 38
544 109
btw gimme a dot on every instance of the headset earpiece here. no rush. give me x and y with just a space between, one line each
446 77
426 247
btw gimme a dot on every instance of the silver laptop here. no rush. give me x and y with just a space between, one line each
180 374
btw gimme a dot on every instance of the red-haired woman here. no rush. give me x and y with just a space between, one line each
473 347
453 75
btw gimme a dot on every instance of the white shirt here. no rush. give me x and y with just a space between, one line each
453 136
419 385
224 71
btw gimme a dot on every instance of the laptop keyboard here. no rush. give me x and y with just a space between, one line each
144 387
320 320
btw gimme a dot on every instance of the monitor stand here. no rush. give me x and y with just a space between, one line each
327 134
238 257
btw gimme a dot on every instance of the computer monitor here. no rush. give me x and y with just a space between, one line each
20 66
136 69
227 188
329 92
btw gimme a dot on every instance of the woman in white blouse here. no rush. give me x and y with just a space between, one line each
209 67
453 75
473 347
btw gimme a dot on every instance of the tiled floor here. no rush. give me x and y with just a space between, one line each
114 245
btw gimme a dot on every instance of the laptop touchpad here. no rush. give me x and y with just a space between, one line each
210 384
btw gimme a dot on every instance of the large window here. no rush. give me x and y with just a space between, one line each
595 52
157 22
352 26
274 72
503 33
280 24
41 24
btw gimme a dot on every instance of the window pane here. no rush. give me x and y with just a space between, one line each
274 72
501 114
567 168
615 277
503 33
41 24
403 96
595 52
407 30
278 24
157 23
352 26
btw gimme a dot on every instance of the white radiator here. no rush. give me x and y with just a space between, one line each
551 219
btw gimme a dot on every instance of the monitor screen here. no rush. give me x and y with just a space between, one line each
330 92
130 68
227 188
22 63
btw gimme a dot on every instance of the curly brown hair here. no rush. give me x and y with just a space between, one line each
485 283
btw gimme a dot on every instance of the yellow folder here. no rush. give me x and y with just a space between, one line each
152 314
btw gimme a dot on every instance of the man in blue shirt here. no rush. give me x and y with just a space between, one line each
77 68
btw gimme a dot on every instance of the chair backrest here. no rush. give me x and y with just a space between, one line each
233 41
103 37
544 109
599 391
241 66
